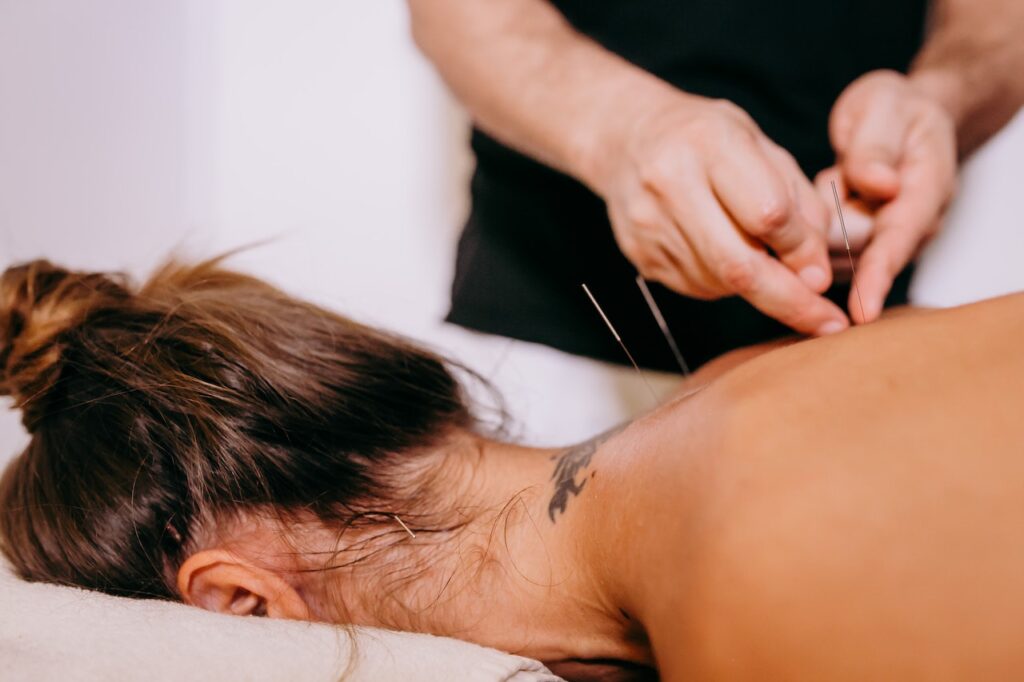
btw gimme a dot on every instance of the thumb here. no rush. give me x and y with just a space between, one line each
871 160
892 247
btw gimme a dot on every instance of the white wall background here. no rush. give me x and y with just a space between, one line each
128 127
980 251
131 127
331 134
94 148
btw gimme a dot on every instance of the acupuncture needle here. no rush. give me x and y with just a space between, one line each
656 311
621 344
849 251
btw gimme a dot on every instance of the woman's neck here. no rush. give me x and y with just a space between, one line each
512 577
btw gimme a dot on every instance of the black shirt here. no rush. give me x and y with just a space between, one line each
534 235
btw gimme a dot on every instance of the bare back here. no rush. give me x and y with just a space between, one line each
843 508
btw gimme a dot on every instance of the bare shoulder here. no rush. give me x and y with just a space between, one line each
849 502
571 468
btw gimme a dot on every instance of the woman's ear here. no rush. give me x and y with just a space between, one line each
217 580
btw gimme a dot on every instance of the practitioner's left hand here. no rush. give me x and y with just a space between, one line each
896 154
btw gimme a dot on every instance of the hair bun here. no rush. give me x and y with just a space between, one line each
39 304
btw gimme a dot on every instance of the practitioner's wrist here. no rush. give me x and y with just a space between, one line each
946 87
605 142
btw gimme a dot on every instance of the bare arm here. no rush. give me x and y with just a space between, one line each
528 78
972 63
898 138
696 192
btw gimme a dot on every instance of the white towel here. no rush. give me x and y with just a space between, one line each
61 633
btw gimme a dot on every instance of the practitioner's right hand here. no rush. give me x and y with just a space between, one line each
698 194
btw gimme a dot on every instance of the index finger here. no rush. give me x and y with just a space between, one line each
757 194
902 225
902 228
747 270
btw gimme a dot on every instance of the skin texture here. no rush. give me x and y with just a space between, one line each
696 192
841 508
866 531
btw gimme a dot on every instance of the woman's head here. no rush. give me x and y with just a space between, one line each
162 415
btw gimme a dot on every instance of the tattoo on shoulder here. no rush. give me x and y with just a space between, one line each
567 465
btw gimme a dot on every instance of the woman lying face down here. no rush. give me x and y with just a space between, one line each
844 508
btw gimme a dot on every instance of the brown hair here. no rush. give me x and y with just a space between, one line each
203 393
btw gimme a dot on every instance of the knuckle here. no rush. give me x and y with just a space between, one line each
658 172
721 121
642 215
772 215
880 79
891 80
729 110
645 262
738 275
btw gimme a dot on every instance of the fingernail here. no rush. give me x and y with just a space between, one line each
831 327
815 277
869 312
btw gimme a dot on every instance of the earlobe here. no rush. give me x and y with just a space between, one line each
217 580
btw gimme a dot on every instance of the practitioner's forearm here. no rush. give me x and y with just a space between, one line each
530 79
972 63
664 161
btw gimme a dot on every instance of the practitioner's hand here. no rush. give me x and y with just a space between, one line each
697 196
896 152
